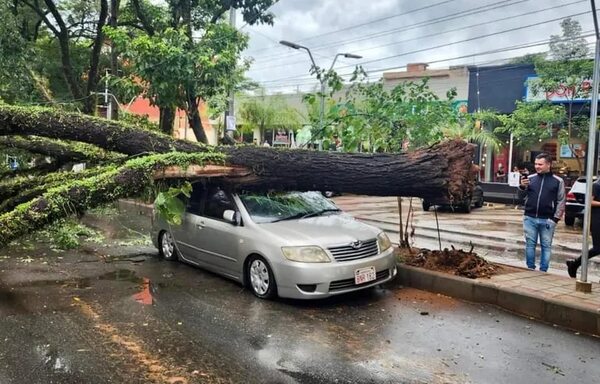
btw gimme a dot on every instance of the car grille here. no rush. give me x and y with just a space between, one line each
349 283
348 252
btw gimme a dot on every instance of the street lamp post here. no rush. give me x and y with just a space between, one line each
321 78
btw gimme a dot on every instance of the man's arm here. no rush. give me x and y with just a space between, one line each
523 186
561 199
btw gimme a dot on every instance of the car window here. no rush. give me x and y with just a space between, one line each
268 207
194 203
217 202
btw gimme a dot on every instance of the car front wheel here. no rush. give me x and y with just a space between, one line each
260 278
166 246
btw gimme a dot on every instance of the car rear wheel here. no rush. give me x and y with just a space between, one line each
479 203
569 220
166 247
260 278
426 206
467 206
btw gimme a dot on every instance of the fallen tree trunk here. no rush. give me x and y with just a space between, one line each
441 170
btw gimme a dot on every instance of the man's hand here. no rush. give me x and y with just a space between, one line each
524 182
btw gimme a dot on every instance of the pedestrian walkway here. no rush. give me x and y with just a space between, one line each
543 296
496 232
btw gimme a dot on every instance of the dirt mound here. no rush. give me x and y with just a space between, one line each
454 261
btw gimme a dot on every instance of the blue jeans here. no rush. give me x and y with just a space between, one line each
544 228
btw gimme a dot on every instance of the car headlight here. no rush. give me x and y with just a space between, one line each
384 242
311 254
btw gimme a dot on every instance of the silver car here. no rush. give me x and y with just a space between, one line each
287 244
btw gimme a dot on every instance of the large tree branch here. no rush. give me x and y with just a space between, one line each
62 34
129 180
62 151
95 57
110 135
42 14
141 15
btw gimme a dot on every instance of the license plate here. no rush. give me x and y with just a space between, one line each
364 275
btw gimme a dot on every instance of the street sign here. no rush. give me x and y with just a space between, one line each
230 123
514 179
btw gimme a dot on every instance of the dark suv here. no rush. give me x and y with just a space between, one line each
576 201
475 201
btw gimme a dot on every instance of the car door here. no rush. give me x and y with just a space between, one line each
217 238
186 234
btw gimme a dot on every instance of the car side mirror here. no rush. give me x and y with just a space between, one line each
231 216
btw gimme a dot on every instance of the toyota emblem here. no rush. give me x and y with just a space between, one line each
356 244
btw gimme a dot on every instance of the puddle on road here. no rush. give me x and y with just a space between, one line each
51 359
145 294
11 303
122 275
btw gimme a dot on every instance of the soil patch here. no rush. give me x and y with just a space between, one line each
453 261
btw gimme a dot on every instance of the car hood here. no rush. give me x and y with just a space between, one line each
329 229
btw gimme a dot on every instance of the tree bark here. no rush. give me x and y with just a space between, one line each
166 120
194 118
441 170
89 105
62 34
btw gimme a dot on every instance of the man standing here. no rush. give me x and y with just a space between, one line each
573 265
544 207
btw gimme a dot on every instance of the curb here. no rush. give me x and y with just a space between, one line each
569 315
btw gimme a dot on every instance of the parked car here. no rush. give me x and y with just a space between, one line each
476 200
287 244
575 205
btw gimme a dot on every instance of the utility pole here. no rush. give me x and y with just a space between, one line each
230 114
114 60
107 97
582 285
322 79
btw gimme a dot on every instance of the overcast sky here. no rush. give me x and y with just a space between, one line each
391 33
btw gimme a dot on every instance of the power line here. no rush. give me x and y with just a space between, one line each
440 33
309 81
456 15
375 21
448 44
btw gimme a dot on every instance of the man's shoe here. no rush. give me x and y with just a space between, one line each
572 268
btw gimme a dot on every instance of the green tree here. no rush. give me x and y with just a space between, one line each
77 22
531 121
189 53
264 112
567 72
530 58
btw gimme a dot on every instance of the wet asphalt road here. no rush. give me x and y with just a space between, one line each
114 313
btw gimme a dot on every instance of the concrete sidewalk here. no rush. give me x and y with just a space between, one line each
542 296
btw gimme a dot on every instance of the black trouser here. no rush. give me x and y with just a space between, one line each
595 229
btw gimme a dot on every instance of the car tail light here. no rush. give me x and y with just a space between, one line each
571 197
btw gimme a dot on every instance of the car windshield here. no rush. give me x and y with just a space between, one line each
269 207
